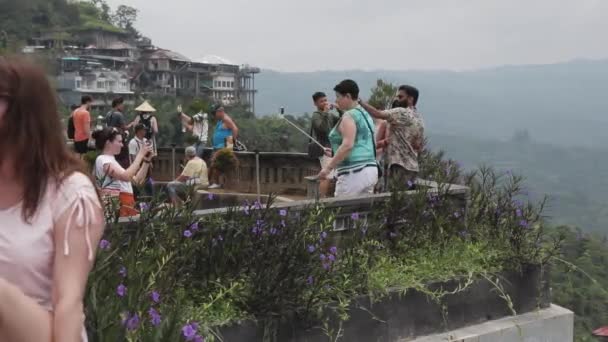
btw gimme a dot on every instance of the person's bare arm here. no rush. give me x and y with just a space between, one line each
76 235
87 126
127 175
154 125
133 123
378 114
140 177
382 138
348 130
232 126
187 121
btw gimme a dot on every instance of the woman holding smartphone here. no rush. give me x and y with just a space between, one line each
113 179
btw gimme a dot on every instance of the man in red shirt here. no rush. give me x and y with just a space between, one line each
82 125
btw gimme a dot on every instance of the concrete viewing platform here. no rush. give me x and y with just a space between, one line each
553 324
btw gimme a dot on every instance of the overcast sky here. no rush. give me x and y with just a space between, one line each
290 35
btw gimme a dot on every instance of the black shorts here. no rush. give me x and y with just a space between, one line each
81 147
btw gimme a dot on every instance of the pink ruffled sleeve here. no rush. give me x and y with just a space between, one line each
77 196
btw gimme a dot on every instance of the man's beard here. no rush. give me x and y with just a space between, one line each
399 104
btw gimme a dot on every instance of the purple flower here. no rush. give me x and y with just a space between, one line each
283 212
187 233
518 212
257 205
410 184
210 196
144 206
354 216
323 236
326 265
132 322
155 296
283 224
332 258
123 271
322 257
220 238
333 250
155 317
121 290
310 280
104 244
524 224
194 226
189 331
311 249
457 214
273 231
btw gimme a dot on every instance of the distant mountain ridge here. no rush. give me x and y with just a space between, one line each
557 103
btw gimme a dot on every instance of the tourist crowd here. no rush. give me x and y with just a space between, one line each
123 161
51 208
364 149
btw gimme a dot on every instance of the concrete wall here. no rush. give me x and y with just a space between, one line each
554 324
280 173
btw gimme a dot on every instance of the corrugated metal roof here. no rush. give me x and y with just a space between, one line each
168 54
213 59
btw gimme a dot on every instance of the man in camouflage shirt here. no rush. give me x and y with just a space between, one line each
323 120
406 136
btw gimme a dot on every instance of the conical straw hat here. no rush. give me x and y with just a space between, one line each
146 108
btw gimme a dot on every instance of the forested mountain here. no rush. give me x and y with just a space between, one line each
562 104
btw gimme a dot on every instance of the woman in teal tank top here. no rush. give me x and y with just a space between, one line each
353 147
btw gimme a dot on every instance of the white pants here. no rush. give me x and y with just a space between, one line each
358 183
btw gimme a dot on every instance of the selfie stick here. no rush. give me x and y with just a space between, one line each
303 132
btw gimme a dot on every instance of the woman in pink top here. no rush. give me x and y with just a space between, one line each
50 215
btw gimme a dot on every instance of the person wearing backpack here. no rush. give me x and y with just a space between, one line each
146 117
116 119
82 125
70 129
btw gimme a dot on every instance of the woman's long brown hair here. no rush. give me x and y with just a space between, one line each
31 133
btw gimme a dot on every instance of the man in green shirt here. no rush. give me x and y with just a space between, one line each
323 120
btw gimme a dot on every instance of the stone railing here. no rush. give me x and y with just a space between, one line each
280 173
362 205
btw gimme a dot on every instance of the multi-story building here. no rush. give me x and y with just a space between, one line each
84 76
117 60
214 77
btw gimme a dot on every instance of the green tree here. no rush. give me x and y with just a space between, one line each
580 282
125 18
383 94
